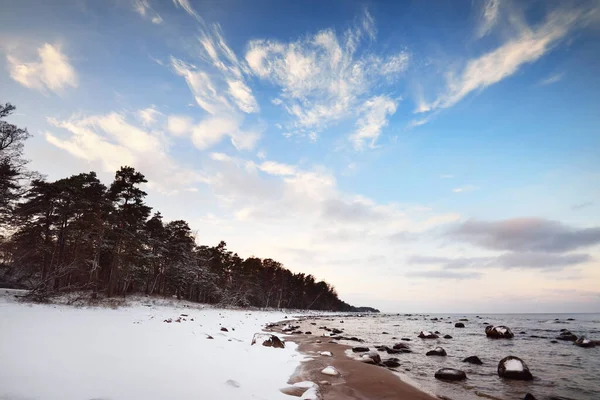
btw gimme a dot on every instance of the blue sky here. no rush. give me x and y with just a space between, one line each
395 149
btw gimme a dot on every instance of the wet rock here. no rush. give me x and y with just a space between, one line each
447 337
313 323
522 333
384 333
514 368
406 339
450 374
459 325
529 396
584 342
371 358
473 360
391 363
268 340
209 337
397 351
554 341
381 348
428 335
438 351
360 349
336 331
401 346
464 320
499 332
437 332
570 319
566 335
308 333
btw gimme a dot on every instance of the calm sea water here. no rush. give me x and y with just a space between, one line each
561 370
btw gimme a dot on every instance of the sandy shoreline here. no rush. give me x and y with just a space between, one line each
357 380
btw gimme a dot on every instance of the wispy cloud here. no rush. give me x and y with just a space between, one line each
324 78
583 205
528 46
143 8
53 71
185 4
464 189
552 79
443 274
489 17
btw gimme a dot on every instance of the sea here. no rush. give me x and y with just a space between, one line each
562 371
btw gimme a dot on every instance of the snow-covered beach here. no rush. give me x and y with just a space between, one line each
60 352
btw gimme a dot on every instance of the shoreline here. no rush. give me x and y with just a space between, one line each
357 380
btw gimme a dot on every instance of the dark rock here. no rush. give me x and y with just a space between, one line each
473 360
499 332
384 333
308 333
399 346
360 349
437 332
459 325
586 343
209 337
438 351
522 333
554 341
570 319
297 333
397 351
336 331
450 374
566 335
464 320
486 323
518 370
371 358
434 319
268 340
391 363
428 335
529 396
313 323
406 339
537 337
381 348
447 337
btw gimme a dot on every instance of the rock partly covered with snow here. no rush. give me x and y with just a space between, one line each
331 371
514 368
473 360
438 351
326 354
371 358
428 335
565 334
450 374
268 340
584 342
499 332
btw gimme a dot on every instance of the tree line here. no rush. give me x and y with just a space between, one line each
76 233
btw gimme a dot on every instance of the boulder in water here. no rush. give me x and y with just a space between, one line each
459 325
498 332
584 342
566 335
514 368
529 396
438 351
268 340
428 335
450 374
391 363
371 358
447 337
473 360
401 346
360 349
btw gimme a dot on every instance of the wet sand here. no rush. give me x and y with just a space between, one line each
357 380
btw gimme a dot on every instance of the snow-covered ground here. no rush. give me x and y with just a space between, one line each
56 352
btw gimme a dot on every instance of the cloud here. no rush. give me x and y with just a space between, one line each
489 17
110 141
148 115
443 274
464 189
509 260
187 7
552 79
275 168
242 96
53 71
525 235
179 125
375 113
583 205
143 8
527 47
323 79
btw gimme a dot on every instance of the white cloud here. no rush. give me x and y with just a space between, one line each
489 17
464 189
143 8
242 96
110 141
53 71
323 78
210 131
529 45
274 168
375 113
148 115
179 125
552 79
185 4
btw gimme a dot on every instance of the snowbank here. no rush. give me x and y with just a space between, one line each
55 352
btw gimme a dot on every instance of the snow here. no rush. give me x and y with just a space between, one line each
513 365
305 384
57 352
427 333
326 353
330 371
500 329
311 394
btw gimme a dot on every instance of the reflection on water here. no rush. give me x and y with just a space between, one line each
561 370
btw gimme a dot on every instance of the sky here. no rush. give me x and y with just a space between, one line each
420 156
